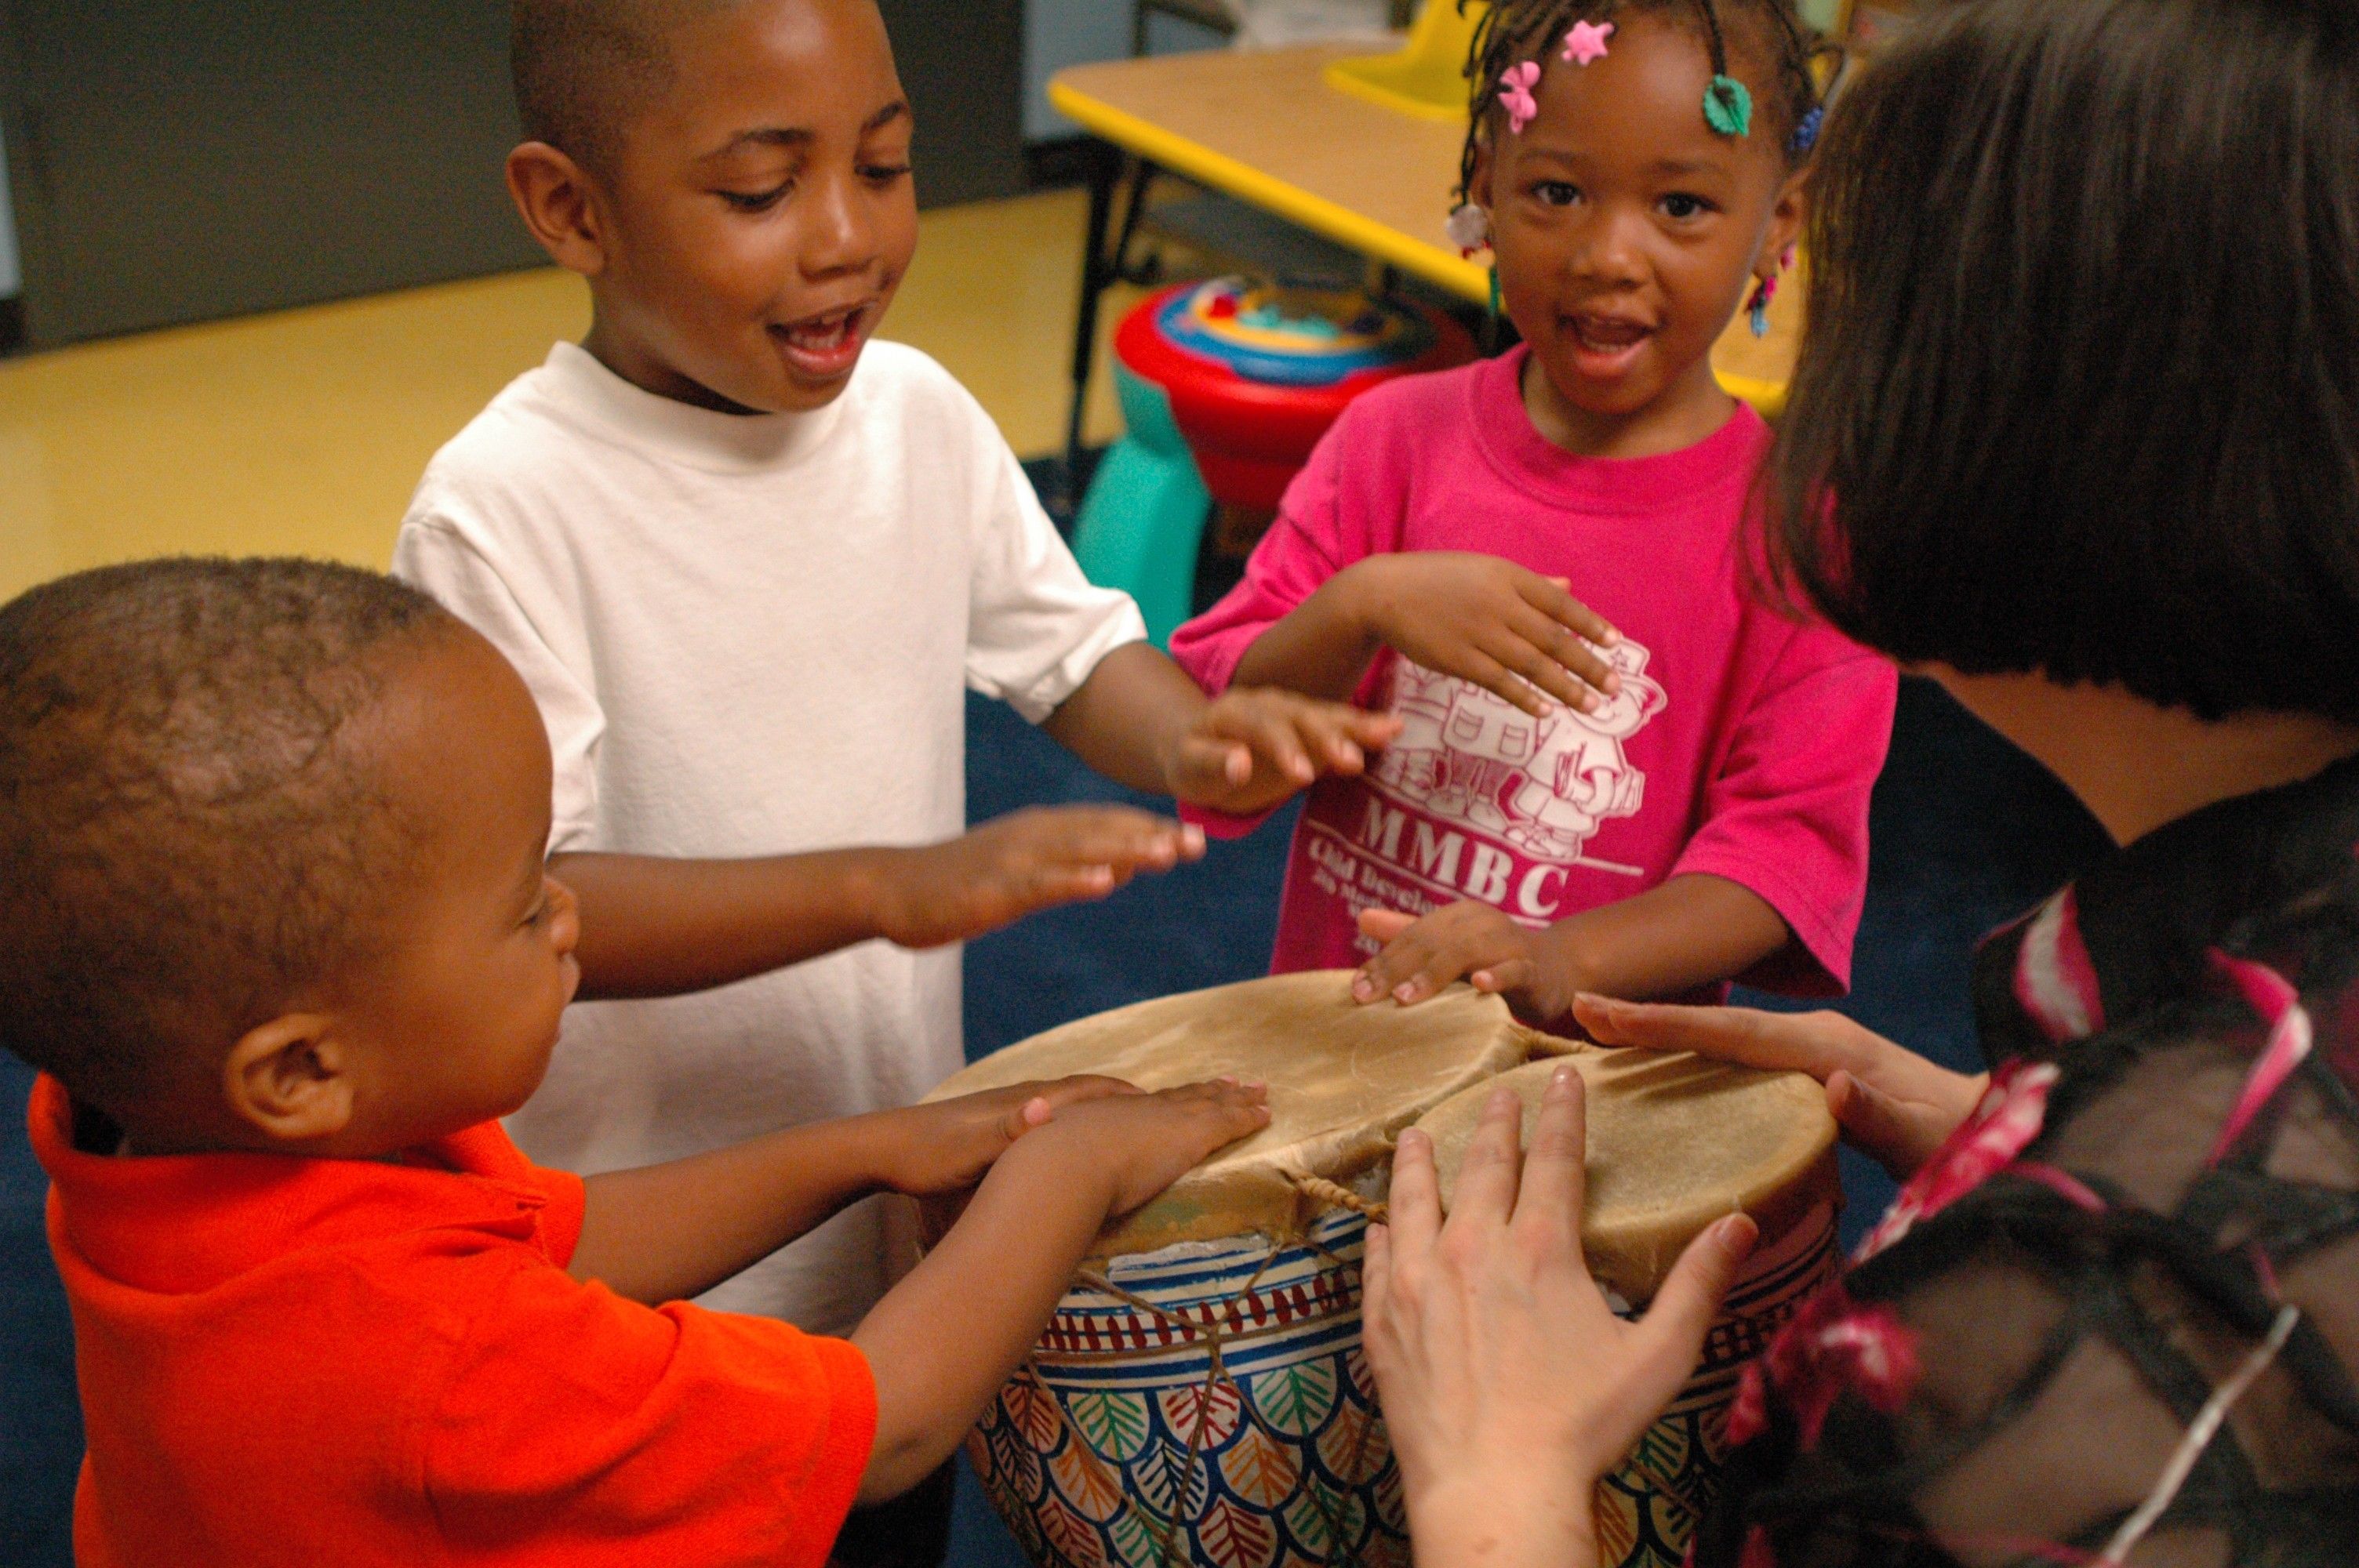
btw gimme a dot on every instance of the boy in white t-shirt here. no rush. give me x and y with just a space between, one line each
748 561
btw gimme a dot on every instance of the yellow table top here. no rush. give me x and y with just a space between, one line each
1265 127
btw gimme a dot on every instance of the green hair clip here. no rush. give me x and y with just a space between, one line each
1728 107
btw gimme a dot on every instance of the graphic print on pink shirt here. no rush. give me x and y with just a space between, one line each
1479 799
1543 786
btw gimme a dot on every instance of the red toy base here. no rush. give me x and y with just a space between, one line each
1250 439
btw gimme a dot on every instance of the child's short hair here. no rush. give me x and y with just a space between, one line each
187 834
582 67
2080 393
1773 32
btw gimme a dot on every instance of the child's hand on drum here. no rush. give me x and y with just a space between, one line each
1141 1144
1893 1105
1025 862
1467 940
1255 747
947 1145
1509 1385
1502 626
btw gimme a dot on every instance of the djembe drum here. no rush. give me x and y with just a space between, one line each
1199 1395
1675 1143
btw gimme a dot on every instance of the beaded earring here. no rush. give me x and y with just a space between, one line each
1469 231
1756 312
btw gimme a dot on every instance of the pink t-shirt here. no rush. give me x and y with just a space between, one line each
1745 744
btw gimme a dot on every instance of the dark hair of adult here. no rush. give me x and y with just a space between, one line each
2080 391
190 828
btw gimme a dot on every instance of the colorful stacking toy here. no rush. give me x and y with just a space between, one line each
1226 386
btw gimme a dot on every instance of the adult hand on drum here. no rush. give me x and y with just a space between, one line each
1254 748
946 1146
1020 863
1893 1105
1509 1386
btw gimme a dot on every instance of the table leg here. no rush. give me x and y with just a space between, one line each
1097 272
1148 273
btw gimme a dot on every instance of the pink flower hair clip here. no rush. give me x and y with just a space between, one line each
1515 85
1586 42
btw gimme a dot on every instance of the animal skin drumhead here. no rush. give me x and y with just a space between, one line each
1675 1142
1344 1080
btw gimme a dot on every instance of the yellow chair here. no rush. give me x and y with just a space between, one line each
1427 76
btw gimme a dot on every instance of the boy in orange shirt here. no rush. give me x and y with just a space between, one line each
281 940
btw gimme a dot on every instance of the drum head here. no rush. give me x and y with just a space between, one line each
1344 1080
1675 1143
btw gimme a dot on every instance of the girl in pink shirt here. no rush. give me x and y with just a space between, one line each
1622 769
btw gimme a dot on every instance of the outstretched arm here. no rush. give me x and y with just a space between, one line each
1893 1105
944 1339
1141 721
665 1232
652 926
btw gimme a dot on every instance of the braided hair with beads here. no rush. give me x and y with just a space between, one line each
1513 32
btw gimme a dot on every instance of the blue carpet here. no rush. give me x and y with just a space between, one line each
1966 832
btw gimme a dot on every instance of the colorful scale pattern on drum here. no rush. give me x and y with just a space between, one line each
1647 1509
1209 1404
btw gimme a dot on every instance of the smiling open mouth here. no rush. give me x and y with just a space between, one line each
1608 334
827 344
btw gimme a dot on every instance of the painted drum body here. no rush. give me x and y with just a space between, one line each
1201 1395
1207 1404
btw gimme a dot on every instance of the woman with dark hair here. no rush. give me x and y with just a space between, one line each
2076 432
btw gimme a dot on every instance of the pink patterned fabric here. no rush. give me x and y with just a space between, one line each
2054 980
2009 1117
1749 1414
2063 1182
1832 1346
2176 1270
2290 1038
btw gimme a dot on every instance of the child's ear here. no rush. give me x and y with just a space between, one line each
1787 216
1478 188
291 1079
553 193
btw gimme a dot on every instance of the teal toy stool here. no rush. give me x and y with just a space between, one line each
1143 520
1227 387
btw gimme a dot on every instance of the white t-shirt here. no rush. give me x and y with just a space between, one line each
749 635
